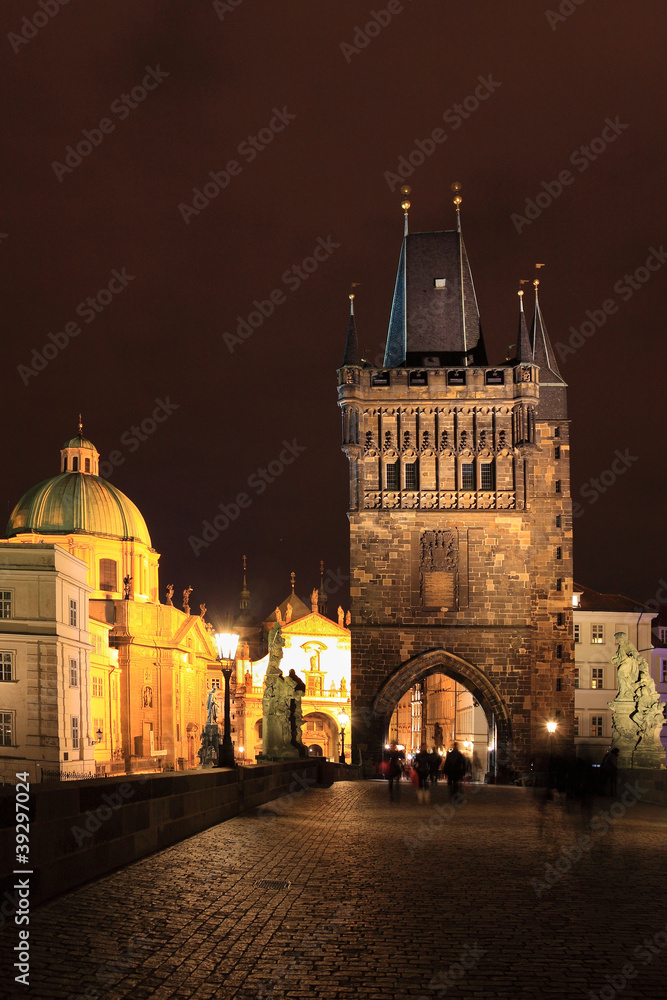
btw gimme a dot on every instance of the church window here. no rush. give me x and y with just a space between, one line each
392 476
108 574
75 464
411 477
456 378
73 672
467 476
558 486
73 613
597 677
597 633
5 604
6 666
6 728
87 465
75 731
486 476
596 725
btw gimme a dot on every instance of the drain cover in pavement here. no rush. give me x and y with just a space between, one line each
267 883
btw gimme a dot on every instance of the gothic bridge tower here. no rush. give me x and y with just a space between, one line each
460 512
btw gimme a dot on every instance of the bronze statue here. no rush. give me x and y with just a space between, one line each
170 594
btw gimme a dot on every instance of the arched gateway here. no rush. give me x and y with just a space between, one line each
439 661
460 509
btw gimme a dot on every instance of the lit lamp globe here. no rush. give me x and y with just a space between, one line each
226 643
552 727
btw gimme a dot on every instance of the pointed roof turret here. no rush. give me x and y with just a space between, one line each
244 599
434 314
543 354
322 594
524 350
351 356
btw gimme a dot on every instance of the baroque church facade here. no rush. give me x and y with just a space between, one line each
460 512
97 675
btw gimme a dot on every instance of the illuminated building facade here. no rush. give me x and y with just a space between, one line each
137 700
460 511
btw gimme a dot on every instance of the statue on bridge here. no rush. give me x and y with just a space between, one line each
637 712
281 706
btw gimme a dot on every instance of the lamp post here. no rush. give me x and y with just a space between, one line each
226 643
551 729
343 719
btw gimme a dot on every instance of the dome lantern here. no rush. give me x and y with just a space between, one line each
80 455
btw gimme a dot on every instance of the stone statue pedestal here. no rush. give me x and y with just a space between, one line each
210 744
624 732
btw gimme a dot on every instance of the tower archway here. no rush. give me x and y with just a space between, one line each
440 661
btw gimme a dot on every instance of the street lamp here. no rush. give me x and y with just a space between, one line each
343 719
551 729
226 643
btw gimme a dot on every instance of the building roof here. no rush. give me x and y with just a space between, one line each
434 310
591 600
79 441
77 502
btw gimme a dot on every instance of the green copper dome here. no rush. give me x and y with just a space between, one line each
79 441
77 502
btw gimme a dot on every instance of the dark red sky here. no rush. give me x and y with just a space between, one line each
221 75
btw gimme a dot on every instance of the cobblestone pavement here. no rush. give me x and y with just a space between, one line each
499 896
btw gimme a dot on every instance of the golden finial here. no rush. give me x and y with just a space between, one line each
292 577
80 424
405 205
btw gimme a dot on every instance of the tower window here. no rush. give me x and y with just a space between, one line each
559 552
108 574
560 618
556 432
559 521
559 651
392 476
380 378
494 377
559 584
411 476
65 464
87 464
467 476
456 378
418 378
557 452
559 684
486 476
558 486
75 464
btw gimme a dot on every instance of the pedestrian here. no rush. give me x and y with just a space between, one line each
455 768
422 765
435 763
609 771
393 766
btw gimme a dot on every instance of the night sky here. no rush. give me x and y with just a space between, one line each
304 120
